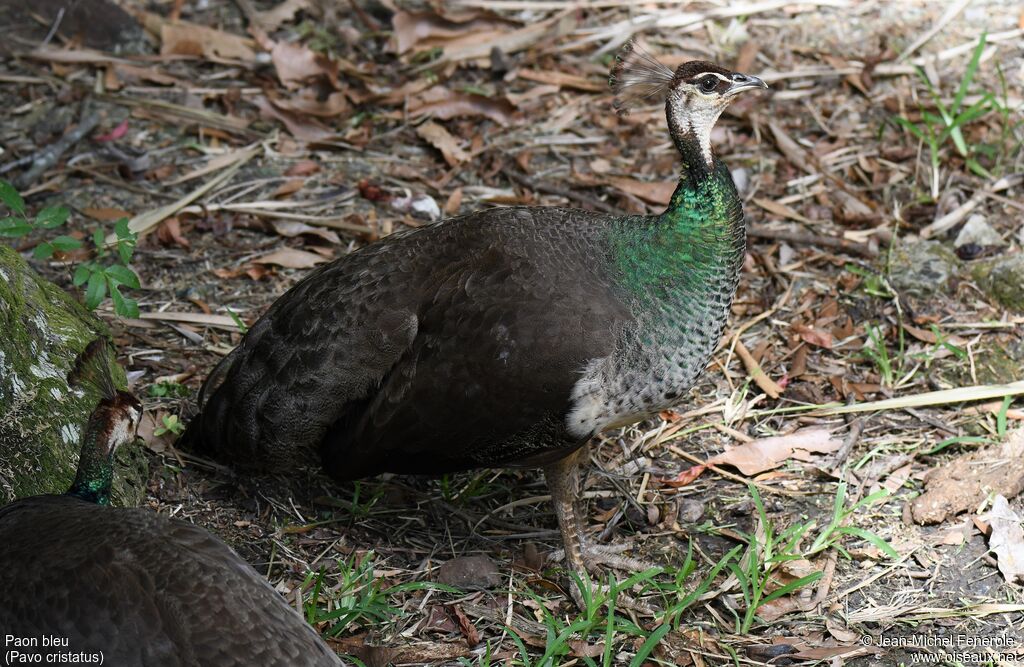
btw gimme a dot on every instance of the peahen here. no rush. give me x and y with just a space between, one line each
127 584
506 337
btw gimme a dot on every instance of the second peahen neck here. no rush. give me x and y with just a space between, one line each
96 463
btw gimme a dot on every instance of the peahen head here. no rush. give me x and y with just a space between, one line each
112 424
695 95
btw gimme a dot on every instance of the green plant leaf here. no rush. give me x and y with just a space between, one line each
66 243
44 250
123 306
96 290
968 76
82 274
14 227
51 216
11 199
122 275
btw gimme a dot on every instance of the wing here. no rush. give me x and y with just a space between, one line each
502 303
143 590
505 332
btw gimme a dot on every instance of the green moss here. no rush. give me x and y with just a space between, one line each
1002 280
41 418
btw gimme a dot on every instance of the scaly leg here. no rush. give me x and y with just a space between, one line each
563 481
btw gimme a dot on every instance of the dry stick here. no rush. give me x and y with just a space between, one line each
754 370
950 14
952 218
808 238
48 157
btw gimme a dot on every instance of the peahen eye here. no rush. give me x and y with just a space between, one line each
708 84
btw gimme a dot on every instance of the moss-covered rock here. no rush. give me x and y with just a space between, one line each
922 268
42 330
1002 280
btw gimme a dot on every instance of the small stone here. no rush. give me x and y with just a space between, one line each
1003 280
469 572
922 268
977 231
691 511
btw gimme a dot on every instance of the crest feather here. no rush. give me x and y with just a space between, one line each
92 367
637 77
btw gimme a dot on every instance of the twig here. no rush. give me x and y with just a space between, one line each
54 27
754 370
560 192
49 156
951 13
808 238
954 217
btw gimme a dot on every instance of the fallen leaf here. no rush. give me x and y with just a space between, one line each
442 140
169 232
288 188
106 214
814 336
272 19
291 258
303 168
767 453
562 80
115 134
303 129
1006 540
445 104
684 478
466 627
192 39
426 29
297 64
292 228
654 192
307 101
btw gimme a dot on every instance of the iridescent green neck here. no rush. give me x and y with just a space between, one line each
95 466
694 248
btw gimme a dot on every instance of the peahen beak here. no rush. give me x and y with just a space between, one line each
741 82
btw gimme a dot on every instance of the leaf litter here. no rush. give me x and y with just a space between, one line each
277 141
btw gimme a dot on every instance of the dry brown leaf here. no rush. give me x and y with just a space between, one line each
191 39
302 128
272 19
106 214
466 627
562 80
288 188
814 336
443 103
767 453
426 29
169 232
292 228
297 64
307 101
291 258
442 140
654 192
303 168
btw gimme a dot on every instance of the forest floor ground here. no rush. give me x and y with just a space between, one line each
248 144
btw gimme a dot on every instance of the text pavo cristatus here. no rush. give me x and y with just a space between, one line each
506 337
127 584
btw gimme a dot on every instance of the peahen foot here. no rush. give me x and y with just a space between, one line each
581 556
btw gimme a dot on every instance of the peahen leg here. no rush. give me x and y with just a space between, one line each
563 482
